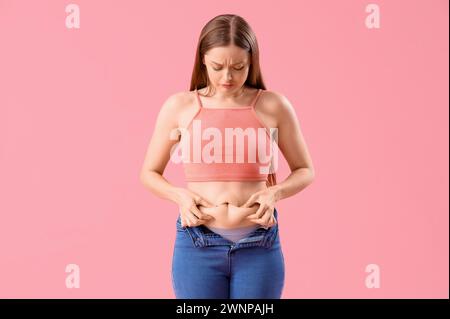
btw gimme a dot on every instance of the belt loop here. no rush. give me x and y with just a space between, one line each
194 233
196 236
271 233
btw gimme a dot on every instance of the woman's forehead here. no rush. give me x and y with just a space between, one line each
226 55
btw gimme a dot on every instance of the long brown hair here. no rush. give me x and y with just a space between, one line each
224 30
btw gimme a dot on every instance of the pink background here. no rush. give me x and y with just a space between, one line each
78 107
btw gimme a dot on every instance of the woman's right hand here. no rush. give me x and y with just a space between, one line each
190 215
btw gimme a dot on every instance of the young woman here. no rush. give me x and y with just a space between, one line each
227 238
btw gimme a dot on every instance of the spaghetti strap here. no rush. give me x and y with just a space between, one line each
198 99
256 98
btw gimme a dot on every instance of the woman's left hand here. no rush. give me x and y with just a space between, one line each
266 199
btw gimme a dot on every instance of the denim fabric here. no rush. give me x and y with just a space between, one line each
206 265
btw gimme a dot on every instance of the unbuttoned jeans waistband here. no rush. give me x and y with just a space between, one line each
201 236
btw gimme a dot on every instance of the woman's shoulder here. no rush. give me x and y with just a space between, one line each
180 106
273 98
273 103
179 99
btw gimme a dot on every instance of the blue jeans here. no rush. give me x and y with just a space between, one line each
206 265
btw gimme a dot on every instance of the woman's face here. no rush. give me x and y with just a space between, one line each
227 65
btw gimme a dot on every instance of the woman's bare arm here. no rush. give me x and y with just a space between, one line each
158 151
293 146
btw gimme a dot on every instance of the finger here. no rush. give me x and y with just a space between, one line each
191 219
264 219
258 213
191 211
199 214
271 221
184 222
205 203
249 202
199 221
267 223
199 200
194 221
272 216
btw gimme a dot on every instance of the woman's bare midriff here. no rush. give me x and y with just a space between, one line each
228 197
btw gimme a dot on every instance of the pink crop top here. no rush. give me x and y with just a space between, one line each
226 144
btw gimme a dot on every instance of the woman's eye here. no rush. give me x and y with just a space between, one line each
235 69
